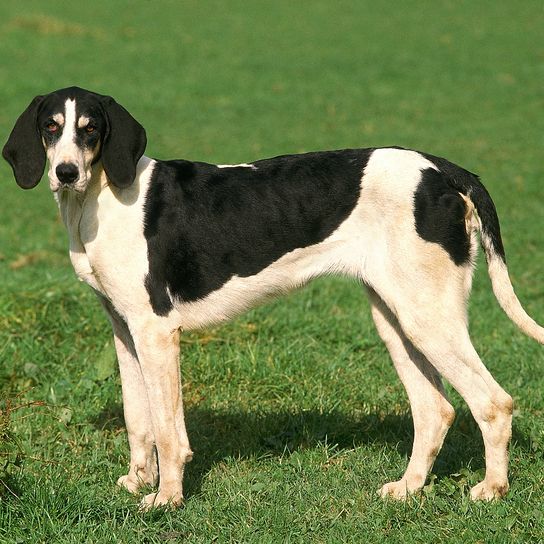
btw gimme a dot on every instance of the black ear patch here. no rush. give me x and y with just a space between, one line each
24 149
124 143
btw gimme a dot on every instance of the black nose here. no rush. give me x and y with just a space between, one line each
67 172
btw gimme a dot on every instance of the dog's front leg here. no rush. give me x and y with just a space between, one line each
143 468
158 353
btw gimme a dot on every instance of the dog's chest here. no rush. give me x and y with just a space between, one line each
107 247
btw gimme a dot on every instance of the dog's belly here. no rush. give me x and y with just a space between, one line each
336 255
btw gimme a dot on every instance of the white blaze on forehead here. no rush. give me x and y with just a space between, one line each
69 132
66 149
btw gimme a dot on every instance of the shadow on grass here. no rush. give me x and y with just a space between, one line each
217 435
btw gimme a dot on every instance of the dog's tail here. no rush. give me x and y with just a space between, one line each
468 184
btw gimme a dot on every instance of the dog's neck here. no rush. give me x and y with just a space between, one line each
71 204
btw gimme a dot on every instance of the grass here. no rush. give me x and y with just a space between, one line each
294 411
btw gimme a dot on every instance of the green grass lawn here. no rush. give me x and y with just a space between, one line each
294 411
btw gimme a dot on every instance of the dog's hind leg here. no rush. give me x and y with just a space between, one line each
143 469
431 412
431 311
447 345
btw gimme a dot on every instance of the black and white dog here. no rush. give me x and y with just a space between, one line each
175 245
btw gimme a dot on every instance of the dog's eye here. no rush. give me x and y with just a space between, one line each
51 127
89 129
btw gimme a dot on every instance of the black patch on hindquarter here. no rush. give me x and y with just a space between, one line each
470 185
205 224
439 212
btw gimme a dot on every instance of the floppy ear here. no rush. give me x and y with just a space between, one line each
24 149
124 143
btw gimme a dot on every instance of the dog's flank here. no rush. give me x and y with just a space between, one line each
251 221
175 245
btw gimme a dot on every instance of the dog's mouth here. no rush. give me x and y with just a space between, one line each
67 187
76 187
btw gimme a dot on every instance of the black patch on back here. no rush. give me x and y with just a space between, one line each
205 224
439 212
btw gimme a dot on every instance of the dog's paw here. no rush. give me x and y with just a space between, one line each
138 478
485 491
161 500
128 483
398 490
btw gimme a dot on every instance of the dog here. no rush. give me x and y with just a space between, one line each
176 245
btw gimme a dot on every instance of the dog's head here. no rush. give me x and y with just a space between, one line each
74 129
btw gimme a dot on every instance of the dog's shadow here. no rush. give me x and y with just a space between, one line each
217 435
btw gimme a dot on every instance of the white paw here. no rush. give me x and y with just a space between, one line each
396 490
484 491
160 499
131 485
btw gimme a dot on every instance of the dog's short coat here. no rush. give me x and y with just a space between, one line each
175 245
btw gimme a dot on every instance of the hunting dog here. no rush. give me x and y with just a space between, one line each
176 245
